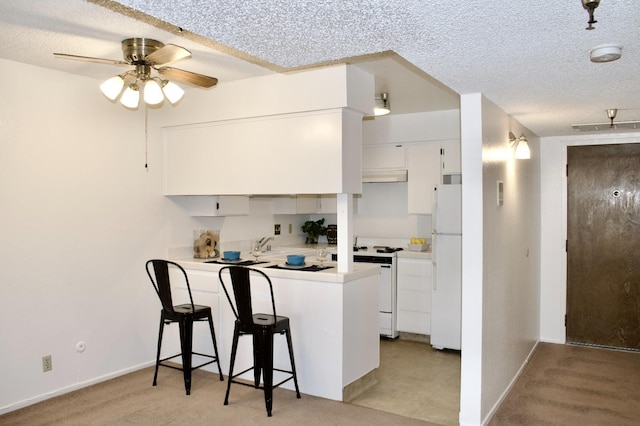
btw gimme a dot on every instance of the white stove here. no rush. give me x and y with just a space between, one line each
386 257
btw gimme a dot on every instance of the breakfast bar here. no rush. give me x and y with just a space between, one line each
334 322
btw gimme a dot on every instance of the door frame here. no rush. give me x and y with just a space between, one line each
599 139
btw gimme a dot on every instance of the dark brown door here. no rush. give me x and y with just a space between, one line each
603 248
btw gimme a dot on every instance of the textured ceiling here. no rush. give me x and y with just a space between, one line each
530 58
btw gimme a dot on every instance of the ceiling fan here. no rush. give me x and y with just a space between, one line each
145 55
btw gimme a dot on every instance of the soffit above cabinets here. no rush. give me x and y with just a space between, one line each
410 89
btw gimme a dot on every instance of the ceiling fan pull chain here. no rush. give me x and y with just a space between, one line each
146 138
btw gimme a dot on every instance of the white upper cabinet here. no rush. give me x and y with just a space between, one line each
305 204
423 168
451 158
308 142
383 157
295 204
218 205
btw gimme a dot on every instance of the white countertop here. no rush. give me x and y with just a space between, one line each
407 254
360 270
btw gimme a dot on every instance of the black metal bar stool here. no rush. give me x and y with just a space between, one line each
262 327
185 315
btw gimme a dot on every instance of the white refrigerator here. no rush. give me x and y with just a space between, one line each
446 256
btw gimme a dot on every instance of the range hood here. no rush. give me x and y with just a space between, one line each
384 175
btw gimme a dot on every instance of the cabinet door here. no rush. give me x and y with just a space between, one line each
295 204
414 295
306 204
383 157
327 203
423 168
451 158
218 205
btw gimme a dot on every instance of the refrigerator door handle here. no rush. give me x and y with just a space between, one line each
434 213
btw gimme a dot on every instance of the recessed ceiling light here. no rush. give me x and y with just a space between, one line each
605 52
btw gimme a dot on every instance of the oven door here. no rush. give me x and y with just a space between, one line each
385 302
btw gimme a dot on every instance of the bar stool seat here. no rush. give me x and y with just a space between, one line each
185 315
262 327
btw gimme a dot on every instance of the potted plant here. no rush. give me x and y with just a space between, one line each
314 229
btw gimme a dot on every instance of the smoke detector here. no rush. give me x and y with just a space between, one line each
605 52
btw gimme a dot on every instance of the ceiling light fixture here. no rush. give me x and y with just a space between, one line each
520 146
611 114
383 106
146 54
154 89
590 6
605 52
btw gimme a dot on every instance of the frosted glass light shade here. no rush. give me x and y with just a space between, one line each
131 97
522 150
152 93
112 87
382 105
172 91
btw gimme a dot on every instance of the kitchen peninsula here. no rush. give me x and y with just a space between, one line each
334 322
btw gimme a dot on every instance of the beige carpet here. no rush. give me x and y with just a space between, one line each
575 385
131 400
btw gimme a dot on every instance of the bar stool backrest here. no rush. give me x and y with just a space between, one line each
241 283
162 282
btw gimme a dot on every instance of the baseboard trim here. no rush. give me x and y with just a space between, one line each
360 386
76 386
512 383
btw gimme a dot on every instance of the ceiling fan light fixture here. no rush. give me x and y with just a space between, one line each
131 96
152 92
112 87
383 106
172 91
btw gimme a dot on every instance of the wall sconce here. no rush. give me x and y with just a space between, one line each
383 106
520 146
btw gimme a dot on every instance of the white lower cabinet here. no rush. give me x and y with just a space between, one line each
414 295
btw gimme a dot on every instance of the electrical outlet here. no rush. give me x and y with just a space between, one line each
290 228
46 363
276 229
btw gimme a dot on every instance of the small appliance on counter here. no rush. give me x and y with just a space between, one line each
205 244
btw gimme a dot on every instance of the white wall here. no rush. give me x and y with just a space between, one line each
382 212
501 257
554 226
80 215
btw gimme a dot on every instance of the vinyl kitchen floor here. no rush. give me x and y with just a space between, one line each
417 381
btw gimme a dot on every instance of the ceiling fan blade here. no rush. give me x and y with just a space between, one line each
90 59
167 54
188 77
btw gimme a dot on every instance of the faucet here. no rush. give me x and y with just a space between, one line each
264 240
